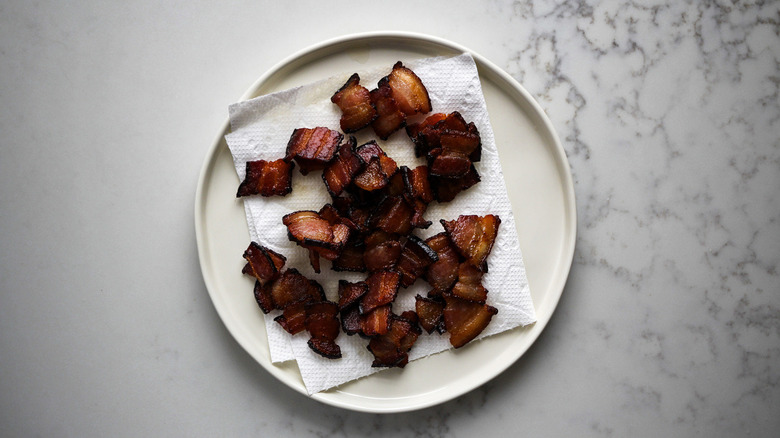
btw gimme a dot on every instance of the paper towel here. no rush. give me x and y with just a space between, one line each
260 129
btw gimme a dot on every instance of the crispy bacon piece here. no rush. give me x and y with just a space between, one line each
448 163
382 289
443 273
293 318
342 170
292 287
416 183
311 231
392 348
323 326
350 258
409 92
416 256
445 189
390 118
267 178
393 215
469 285
351 293
473 237
465 319
379 168
376 322
262 263
382 251
451 133
430 312
312 148
263 297
357 109
351 321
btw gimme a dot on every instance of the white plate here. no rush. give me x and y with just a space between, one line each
540 189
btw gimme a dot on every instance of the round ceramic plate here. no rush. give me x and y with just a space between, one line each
540 189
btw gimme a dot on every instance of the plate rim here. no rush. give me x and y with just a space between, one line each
559 281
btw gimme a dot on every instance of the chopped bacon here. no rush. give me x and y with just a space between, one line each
267 178
416 183
372 178
342 170
473 236
351 322
311 231
351 293
262 263
392 348
448 163
263 297
292 287
416 256
424 135
466 142
376 322
443 273
323 326
469 285
393 215
430 312
350 258
382 251
382 289
354 100
465 319
293 318
390 118
449 133
312 148
408 90
445 189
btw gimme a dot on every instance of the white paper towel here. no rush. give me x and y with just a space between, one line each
261 128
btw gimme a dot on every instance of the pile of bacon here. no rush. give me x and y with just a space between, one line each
368 226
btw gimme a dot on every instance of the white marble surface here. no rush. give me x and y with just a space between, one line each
669 324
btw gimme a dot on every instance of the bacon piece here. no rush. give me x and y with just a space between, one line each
430 312
393 215
379 168
464 142
323 326
382 251
293 318
409 92
473 236
351 322
360 218
469 285
263 297
267 178
416 183
312 148
448 163
443 273
425 135
350 258
392 348
376 322
351 293
390 118
354 100
416 256
342 170
382 289
262 263
445 189
292 287
465 319
311 231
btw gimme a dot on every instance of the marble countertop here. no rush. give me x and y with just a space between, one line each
669 324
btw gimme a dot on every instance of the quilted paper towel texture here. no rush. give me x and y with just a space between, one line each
261 128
